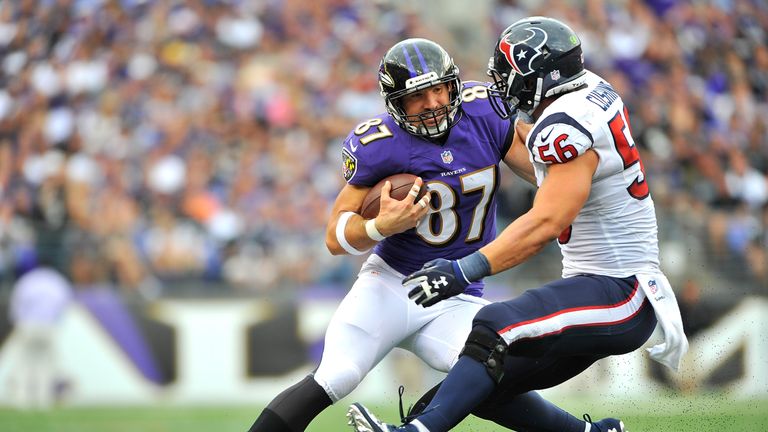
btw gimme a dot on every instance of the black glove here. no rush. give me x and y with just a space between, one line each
437 280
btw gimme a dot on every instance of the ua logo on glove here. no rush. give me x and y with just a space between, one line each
435 281
427 287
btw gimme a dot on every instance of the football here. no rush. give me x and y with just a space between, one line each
401 185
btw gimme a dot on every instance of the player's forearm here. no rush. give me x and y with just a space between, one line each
525 237
354 234
345 232
517 160
558 202
525 174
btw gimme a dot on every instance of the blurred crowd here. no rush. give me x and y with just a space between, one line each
196 143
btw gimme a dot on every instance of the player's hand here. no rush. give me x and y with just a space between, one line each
437 280
396 216
522 129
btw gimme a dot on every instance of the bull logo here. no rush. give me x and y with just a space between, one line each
521 55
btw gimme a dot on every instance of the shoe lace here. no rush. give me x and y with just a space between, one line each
406 419
588 419
403 417
595 427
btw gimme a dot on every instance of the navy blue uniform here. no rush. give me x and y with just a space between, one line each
558 330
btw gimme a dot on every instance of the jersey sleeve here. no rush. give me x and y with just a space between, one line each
559 138
375 149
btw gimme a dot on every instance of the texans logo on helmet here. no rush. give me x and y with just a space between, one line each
521 55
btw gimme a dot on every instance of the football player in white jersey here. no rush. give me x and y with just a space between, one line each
593 198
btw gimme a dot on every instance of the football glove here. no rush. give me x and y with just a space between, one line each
437 280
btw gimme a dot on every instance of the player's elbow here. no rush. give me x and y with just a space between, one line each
549 221
332 243
550 227
335 249
551 230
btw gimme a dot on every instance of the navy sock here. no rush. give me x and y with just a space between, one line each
466 386
529 412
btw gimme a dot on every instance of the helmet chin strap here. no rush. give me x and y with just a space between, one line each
536 99
536 96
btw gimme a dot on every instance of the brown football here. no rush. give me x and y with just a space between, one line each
401 185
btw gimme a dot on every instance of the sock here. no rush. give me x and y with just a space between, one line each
466 386
293 409
269 421
529 412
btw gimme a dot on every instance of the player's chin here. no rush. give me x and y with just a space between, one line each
438 119
435 123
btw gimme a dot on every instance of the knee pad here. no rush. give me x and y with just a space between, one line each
487 347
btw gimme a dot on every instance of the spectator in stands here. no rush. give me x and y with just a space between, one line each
38 301
226 114
694 310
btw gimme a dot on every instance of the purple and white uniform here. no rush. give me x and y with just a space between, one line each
463 176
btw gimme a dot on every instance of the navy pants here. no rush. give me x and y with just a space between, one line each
558 330
553 333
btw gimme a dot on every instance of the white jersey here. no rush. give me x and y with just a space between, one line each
614 234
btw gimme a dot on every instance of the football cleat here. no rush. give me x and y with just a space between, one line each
362 420
605 425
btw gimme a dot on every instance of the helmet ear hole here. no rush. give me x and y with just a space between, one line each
529 83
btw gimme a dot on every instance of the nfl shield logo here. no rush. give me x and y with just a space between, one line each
447 156
555 74
652 286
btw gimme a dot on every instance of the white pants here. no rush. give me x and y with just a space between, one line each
377 316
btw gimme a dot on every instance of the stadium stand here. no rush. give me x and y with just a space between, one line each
192 147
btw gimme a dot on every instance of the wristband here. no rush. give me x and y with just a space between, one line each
341 225
372 231
474 266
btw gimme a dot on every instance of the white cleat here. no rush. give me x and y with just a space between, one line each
363 420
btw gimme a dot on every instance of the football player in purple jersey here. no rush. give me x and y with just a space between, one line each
593 197
445 132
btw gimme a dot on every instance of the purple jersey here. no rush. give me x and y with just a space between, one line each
462 174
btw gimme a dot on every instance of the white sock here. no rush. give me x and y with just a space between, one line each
420 427
587 427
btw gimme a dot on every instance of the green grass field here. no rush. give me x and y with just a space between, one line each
699 414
